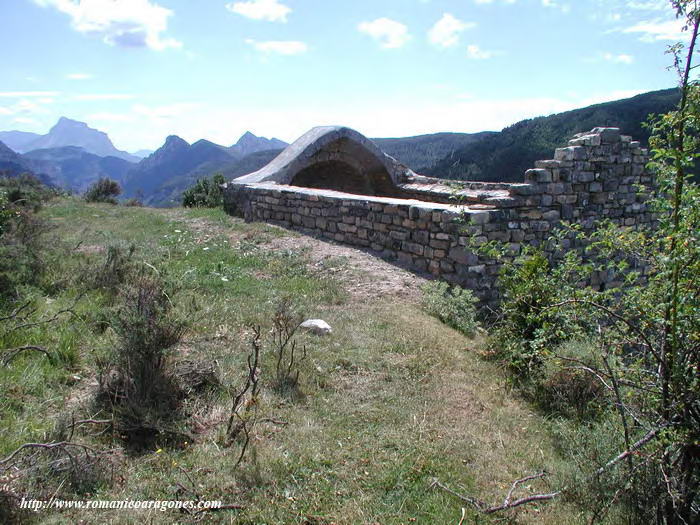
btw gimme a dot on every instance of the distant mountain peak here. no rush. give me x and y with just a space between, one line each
65 121
251 143
69 132
175 141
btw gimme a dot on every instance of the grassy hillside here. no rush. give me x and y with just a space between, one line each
387 403
506 155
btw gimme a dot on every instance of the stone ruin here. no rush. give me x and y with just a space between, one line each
335 183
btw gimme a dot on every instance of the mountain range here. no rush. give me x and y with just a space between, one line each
66 132
73 155
160 178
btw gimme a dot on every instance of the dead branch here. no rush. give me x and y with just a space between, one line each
91 422
55 317
523 501
17 311
480 505
636 446
508 504
277 422
62 445
517 482
244 407
11 353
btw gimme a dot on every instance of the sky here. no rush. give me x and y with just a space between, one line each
144 69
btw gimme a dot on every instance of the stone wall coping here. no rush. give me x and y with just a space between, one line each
342 196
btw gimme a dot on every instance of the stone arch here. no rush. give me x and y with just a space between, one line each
335 158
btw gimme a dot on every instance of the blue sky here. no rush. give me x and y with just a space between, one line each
143 69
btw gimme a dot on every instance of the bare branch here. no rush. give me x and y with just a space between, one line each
51 319
16 312
517 482
47 446
11 353
508 504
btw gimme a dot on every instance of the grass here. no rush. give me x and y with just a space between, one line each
392 399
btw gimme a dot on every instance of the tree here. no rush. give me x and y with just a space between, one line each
206 193
103 190
645 336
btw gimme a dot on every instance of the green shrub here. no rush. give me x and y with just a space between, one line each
114 270
103 190
25 192
529 327
456 307
206 193
6 212
138 381
566 387
21 247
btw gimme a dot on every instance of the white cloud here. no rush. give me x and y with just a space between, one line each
18 94
109 117
655 30
127 23
79 76
622 58
476 53
445 32
279 47
492 1
166 112
270 10
647 5
24 120
389 33
554 4
398 115
33 105
104 96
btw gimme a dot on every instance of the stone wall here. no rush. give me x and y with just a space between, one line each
597 176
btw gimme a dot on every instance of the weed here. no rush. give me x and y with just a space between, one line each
287 355
114 270
456 307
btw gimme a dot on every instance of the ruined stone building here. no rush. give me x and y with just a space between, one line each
335 183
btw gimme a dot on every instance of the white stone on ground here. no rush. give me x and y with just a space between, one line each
317 326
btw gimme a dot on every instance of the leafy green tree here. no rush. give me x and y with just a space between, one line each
206 193
103 190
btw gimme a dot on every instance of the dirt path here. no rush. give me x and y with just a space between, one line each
365 275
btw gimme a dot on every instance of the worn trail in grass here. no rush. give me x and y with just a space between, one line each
391 400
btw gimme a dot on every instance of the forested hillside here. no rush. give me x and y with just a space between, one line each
506 155
422 152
